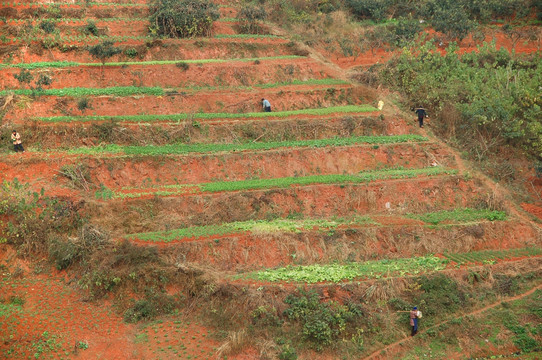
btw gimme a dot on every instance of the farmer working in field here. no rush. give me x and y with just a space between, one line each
421 114
17 143
414 316
266 105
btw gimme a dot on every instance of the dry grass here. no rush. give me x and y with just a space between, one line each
384 290
237 341
7 100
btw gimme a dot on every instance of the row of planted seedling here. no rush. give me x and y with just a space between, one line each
299 225
158 91
68 64
285 182
383 268
210 116
202 148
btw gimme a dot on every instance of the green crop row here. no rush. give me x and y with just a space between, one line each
350 271
492 255
208 116
379 268
299 225
255 226
66 64
78 92
461 215
222 147
142 90
255 184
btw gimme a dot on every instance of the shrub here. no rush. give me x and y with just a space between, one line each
184 18
90 29
43 80
24 77
451 18
248 19
154 303
104 51
405 30
287 353
83 104
505 285
441 295
62 253
321 323
48 26
182 65
34 217
131 52
369 9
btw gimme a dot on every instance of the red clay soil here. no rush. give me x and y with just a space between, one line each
416 195
192 169
533 209
297 127
252 251
283 98
74 11
263 164
114 28
37 174
54 314
175 339
161 50
234 73
381 56
55 322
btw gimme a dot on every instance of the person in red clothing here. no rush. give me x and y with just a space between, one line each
17 143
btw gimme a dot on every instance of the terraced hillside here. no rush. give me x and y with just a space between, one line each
165 145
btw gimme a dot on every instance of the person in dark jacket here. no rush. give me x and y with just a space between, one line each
420 111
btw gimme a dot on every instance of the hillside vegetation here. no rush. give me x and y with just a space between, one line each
158 212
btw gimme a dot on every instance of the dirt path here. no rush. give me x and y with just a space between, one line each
377 354
499 192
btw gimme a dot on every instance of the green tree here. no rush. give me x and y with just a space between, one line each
451 18
249 17
182 18
104 51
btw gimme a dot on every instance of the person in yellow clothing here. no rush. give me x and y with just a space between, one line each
17 143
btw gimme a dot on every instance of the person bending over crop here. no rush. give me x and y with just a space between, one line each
17 143
266 105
